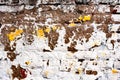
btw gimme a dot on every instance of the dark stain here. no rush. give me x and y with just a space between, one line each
77 72
48 63
23 44
108 35
107 59
93 47
91 59
94 63
45 50
67 40
60 62
118 59
114 11
79 11
8 47
118 40
86 33
69 34
104 28
18 72
12 29
97 79
1 59
72 47
90 72
5 59
112 42
52 39
117 31
66 22
94 72
69 69
81 60
11 56
0 25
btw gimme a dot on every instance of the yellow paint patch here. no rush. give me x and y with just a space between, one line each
72 24
58 28
46 73
87 18
13 35
80 18
97 57
18 32
40 33
27 62
54 28
79 70
114 71
47 30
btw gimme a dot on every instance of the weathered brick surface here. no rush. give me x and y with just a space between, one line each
54 43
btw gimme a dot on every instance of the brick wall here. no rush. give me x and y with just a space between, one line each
68 42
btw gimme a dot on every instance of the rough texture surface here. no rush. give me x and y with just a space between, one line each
49 42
